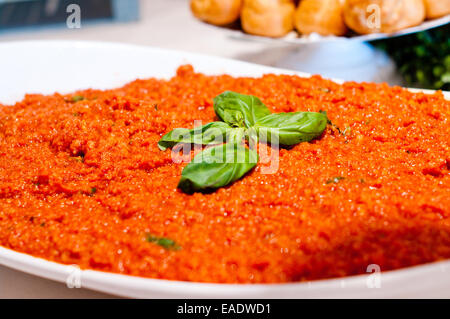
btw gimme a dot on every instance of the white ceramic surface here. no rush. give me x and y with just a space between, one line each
46 67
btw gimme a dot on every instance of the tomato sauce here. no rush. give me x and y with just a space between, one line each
82 181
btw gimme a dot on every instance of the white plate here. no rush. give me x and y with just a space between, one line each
294 38
46 67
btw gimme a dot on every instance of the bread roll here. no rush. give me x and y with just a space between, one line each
394 15
272 18
437 8
413 14
218 12
320 16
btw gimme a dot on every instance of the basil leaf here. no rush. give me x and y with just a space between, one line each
211 133
163 242
216 167
236 135
239 110
291 128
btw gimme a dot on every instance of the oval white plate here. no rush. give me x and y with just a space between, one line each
294 38
46 67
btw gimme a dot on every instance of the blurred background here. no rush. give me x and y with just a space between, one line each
416 60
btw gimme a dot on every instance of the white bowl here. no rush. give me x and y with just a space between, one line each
49 66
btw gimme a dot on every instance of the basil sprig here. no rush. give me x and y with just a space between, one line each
244 117
217 167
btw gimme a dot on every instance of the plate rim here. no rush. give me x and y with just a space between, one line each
138 287
305 40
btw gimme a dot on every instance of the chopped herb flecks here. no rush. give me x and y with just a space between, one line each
78 158
163 242
332 124
335 180
347 130
77 98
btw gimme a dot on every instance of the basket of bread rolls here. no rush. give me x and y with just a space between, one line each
277 18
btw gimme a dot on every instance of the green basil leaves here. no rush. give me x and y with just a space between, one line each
212 133
291 128
244 118
239 110
217 167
